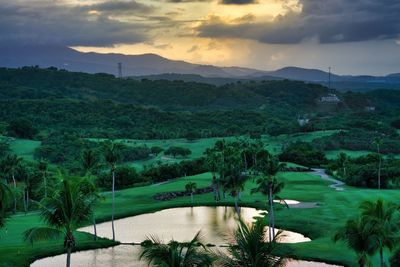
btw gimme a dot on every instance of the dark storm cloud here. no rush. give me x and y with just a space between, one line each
238 2
120 7
331 21
224 2
46 22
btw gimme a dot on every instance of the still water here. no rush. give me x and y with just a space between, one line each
180 224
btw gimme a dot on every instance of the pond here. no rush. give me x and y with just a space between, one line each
125 256
180 224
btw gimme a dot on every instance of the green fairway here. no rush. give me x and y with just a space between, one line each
318 223
199 146
22 147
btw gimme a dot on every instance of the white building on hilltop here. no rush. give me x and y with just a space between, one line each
330 98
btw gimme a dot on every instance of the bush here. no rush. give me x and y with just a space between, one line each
135 153
124 177
304 154
156 150
170 171
177 151
21 128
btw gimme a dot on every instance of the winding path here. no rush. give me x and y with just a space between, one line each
336 184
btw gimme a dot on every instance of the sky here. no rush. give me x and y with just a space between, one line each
351 36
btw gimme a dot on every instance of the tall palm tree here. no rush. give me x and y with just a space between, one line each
63 212
90 161
342 161
358 235
269 186
88 187
234 178
4 195
112 156
248 248
378 142
191 189
383 217
42 167
175 254
212 161
11 163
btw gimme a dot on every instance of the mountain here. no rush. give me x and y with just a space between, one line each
151 66
295 73
133 65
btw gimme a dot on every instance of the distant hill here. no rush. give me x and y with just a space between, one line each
133 65
151 66
295 73
202 79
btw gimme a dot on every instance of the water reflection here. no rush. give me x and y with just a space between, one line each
182 224
124 256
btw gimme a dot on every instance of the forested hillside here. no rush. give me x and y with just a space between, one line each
35 102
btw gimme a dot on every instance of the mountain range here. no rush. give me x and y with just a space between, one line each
153 66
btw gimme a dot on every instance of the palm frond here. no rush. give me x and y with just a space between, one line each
41 233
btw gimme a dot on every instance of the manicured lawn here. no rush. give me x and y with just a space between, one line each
199 146
318 223
22 147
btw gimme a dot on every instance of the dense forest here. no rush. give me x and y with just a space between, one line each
36 102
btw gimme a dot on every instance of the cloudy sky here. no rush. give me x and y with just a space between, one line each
352 36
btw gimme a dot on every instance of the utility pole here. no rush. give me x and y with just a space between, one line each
120 70
329 80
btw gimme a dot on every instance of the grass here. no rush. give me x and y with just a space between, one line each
318 223
199 146
22 147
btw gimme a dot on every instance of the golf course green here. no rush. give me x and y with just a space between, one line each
318 223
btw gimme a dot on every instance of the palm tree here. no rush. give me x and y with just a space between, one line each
112 156
269 186
358 235
175 254
235 183
378 142
88 186
4 194
248 248
212 161
342 161
191 189
89 161
382 216
11 163
63 212
42 167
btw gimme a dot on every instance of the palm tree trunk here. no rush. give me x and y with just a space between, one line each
69 256
27 199
24 200
269 225
361 261
191 196
94 227
45 185
379 168
381 256
236 204
271 207
245 161
113 205
15 191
